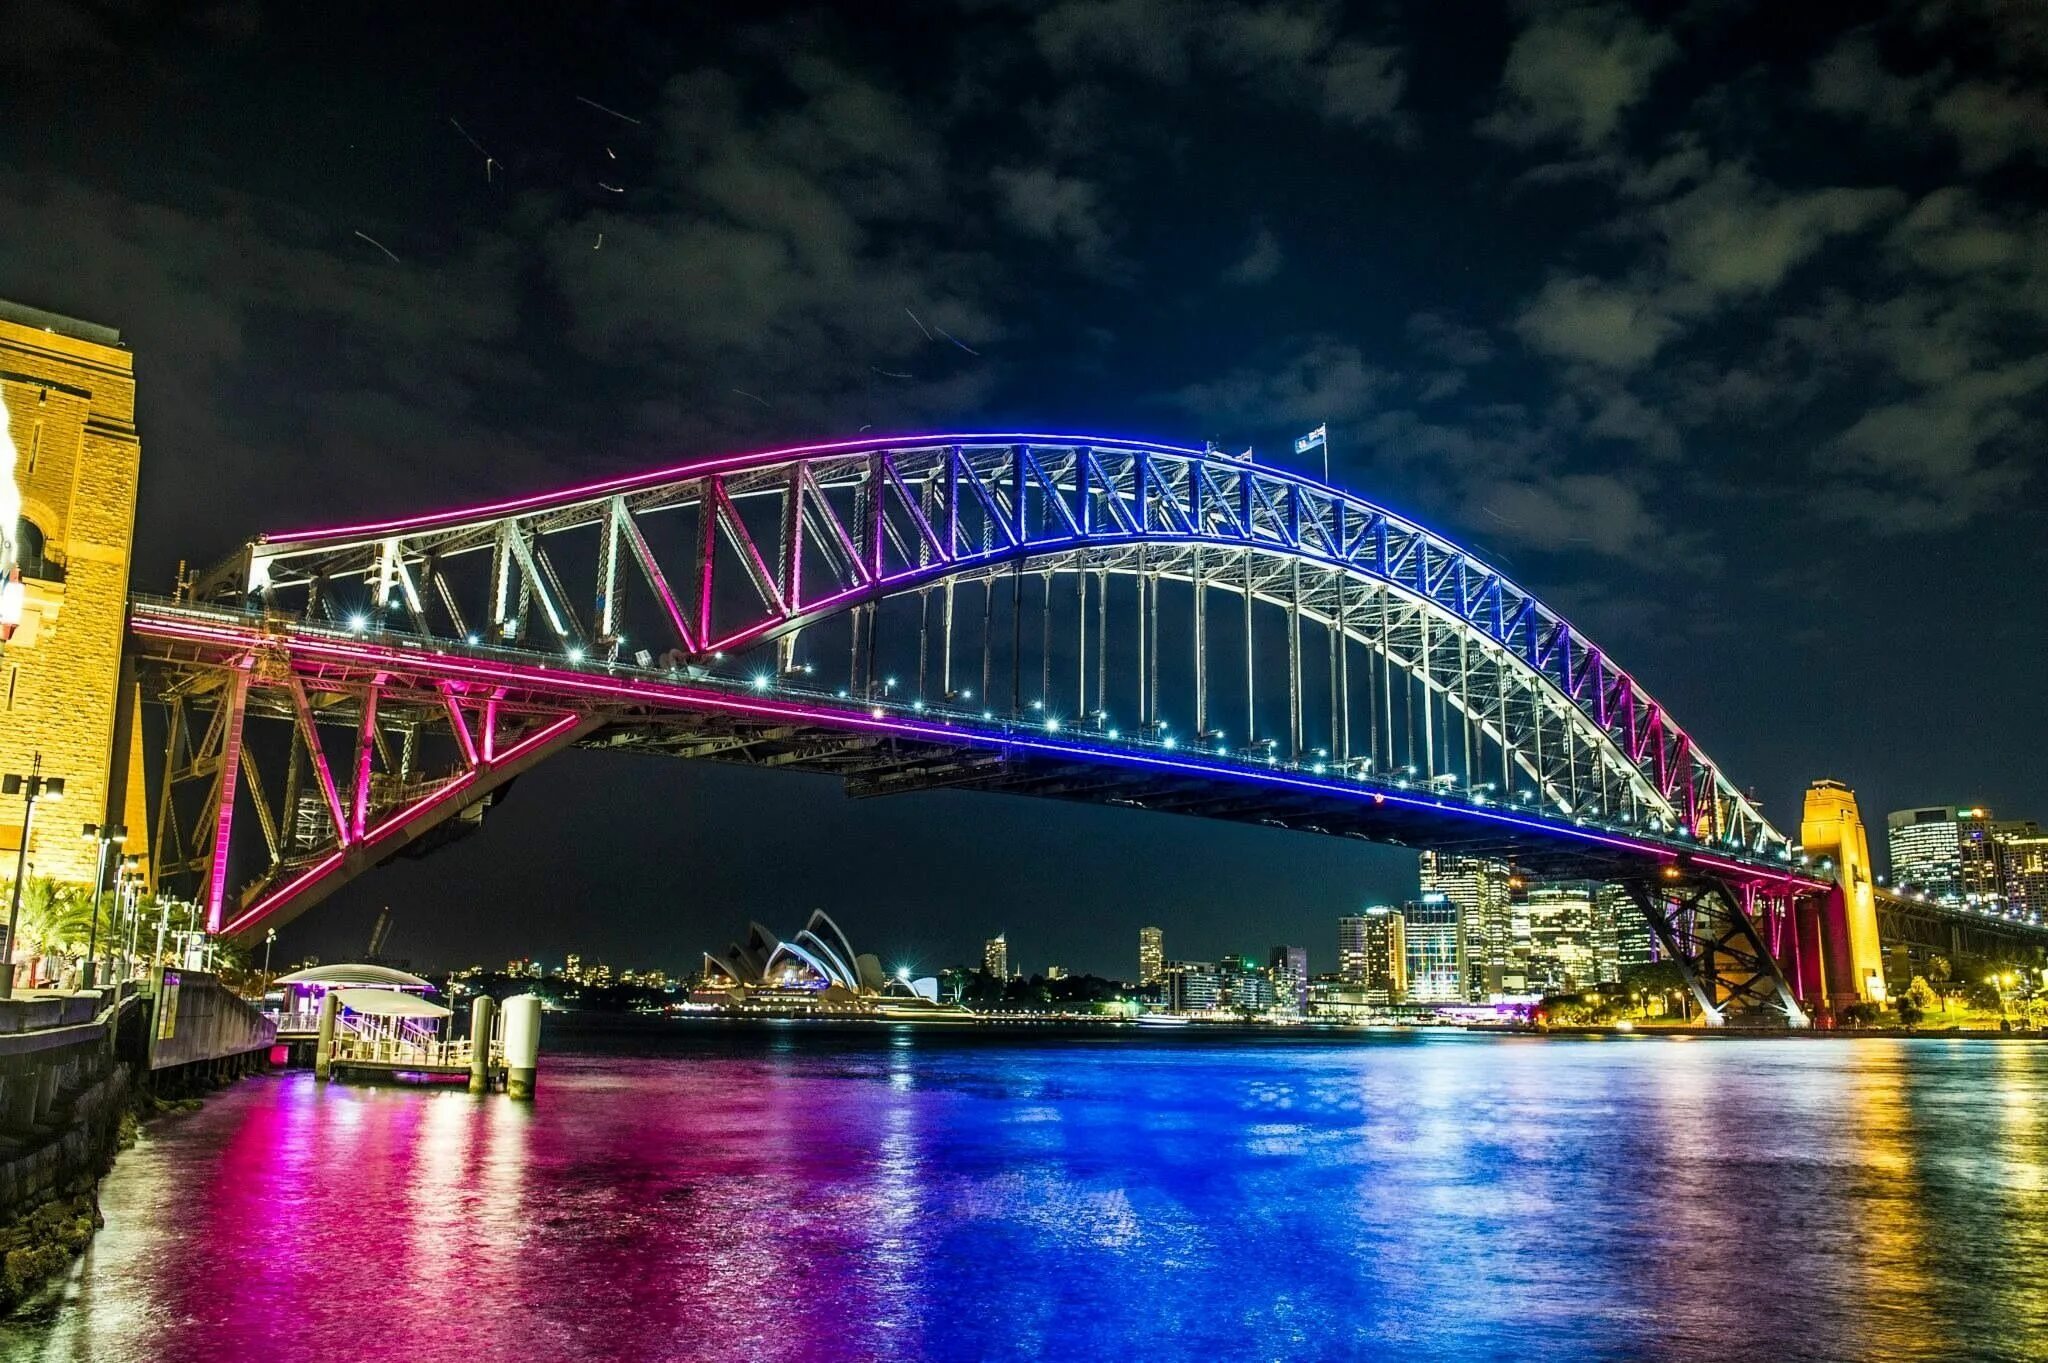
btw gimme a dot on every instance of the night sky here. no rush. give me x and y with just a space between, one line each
1722 326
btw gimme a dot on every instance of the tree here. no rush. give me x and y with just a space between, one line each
56 920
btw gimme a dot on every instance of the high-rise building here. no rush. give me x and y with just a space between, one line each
67 510
995 956
1243 986
2023 866
1434 930
1479 888
1351 948
1055 972
1151 955
1288 967
1191 986
1383 955
1562 955
572 968
1621 935
1947 852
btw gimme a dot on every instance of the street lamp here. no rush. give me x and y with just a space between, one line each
134 896
269 941
32 787
111 836
127 884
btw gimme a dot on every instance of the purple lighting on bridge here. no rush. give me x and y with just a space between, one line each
630 482
379 657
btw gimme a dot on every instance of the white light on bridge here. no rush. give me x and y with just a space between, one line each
359 622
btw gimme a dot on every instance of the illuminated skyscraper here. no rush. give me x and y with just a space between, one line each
1383 951
1947 852
1243 986
995 956
1562 955
2023 866
1351 948
1151 955
1479 887
1621 935
1288 967
1191 986
1435 934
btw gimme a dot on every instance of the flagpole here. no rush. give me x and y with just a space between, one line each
1326 451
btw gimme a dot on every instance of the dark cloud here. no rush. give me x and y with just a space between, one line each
1573 74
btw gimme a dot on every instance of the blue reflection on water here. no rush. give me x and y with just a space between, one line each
797 1194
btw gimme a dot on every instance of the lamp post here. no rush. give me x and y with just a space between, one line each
32 787
126 877
269 941
134 918
163 920
111 836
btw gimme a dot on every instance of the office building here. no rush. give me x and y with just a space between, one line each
1383 955
1191 986
1562 956
1434 930
1621 935
2023 865
1243 986
995 956
1946 852
1351 948
1151 955
1288 967
1479 887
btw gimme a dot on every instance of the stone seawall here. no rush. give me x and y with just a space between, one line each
82 1148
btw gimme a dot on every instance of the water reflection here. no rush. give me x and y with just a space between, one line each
796 1196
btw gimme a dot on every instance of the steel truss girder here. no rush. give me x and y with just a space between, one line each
1704 926
877 518
265 708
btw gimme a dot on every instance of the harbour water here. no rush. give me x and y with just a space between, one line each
798 1194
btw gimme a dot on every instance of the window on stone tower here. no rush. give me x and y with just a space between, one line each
29 544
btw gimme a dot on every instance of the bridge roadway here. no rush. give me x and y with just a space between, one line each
884 747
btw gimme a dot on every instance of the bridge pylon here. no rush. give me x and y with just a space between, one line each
1843 925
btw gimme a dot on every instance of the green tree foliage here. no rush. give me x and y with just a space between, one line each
56 917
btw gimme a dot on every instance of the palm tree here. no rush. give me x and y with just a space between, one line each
56 920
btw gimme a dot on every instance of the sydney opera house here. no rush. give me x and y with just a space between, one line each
818 963
815 971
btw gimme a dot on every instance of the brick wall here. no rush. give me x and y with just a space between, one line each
71 405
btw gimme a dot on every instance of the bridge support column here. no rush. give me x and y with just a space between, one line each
481 1014
1838 950
1704 927
1810 976
323 1049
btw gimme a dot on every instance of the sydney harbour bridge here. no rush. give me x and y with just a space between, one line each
1063 616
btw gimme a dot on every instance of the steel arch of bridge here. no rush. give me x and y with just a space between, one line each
495 636
887 517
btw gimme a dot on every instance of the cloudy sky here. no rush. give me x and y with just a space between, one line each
1723 326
